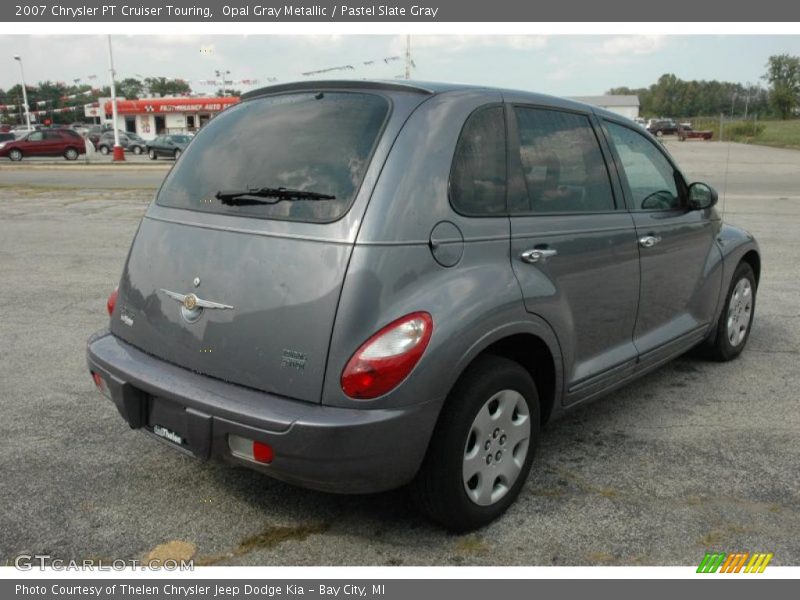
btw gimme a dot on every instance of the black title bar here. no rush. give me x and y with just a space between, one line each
419 11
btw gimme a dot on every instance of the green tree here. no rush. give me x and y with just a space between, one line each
783 75
161 86
130 88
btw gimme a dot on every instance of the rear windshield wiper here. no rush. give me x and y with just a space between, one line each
259 195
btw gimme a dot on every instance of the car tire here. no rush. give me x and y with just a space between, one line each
659 133
137 150
489 401
104 150
736 321
15 154
177 154
71 154
152 154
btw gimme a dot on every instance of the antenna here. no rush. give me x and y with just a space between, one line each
409 62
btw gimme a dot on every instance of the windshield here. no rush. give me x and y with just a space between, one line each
310 142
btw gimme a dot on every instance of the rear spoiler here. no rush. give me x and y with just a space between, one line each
299 86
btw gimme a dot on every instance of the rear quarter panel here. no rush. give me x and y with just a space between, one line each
392 271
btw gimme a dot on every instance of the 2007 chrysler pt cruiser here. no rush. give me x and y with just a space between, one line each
353 286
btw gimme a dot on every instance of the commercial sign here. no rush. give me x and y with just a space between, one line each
171 105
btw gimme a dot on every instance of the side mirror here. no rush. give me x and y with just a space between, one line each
702 196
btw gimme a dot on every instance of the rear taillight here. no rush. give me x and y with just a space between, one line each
112 301
386 359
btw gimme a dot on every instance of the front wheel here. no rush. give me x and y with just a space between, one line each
482 447
104 150
71 154
152 154
177 154
736 320
137 150
15 154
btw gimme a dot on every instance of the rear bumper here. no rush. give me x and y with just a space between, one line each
319 447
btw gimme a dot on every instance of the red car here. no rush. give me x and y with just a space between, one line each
685 132
46 142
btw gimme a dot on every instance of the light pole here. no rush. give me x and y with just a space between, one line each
119 152
24 92
223 74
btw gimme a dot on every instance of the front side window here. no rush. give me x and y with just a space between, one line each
651 178
562 162
317 144
478 175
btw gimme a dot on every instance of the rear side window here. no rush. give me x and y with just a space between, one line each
311 142
562 162
478 175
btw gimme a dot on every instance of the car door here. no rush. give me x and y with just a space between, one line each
679 284
573 244
154 144
34 144
53 143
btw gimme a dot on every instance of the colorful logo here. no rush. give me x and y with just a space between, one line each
734 563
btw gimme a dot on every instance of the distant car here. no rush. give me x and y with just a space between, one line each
661 127
171 146
685 132
81 128
94 133
130 142
49 142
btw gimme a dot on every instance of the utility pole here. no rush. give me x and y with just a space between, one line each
747 101
119 152
408 57
24 93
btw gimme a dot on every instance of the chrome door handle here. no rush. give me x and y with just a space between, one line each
537 254
648 241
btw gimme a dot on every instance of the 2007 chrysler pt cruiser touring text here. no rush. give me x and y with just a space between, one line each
353 286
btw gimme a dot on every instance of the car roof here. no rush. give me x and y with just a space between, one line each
423 87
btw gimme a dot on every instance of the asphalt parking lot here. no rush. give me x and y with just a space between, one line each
695 456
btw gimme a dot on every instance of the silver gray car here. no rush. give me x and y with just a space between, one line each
355 286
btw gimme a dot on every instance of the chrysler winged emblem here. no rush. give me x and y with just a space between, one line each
192 306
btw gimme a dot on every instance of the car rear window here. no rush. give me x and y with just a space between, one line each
313 142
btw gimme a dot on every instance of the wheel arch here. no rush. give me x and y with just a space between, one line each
533 346
752 258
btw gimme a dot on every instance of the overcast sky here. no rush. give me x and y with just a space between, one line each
560 64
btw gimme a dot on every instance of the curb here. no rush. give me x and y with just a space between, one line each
48 166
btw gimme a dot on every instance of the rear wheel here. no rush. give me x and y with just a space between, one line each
15 154
71 154
137 150
735 322
481 451
152 154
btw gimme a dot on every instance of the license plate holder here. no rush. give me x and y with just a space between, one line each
167 420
